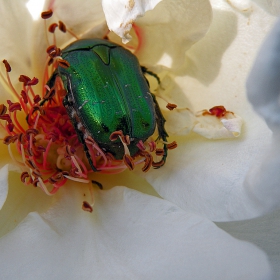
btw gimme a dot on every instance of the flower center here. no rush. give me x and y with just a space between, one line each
46 146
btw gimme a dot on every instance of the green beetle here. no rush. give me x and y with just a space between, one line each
108 92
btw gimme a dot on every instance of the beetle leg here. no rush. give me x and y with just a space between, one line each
80 134
159 119
145 70
161 130
50 84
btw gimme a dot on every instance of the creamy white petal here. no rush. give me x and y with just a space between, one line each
15 32
263 231
78 16
21 199
263 84
175 127
128 236
263 92
120 14
273 6
208 176
165 39
222 193
35 7
4 172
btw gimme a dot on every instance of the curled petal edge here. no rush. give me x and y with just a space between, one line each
120 14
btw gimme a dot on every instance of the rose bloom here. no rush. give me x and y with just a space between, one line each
154 225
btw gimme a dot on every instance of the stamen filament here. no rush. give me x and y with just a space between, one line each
43 186
81 163
45 154
74 161
12 87
76 179
36 120
12 156
18 126
46 32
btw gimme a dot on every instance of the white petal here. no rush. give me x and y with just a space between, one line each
233 125
78 16
15 32
165 39
21 199
3 184
128 236
241 5
263 83
263 91
263 231
273 6
179 122
208 176
122 13
35 7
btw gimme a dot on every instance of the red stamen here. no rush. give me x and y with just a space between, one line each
8 69
141 145
158 164
52 51
152 146
24 96
46 14
115 135
218 111
37 99
86 207
24 176
52 27
159 152
6 117
24 79
34 81
62 26
14 106
3 109
10 139
128 160
148 161
172 145
63 63
7 65
171 106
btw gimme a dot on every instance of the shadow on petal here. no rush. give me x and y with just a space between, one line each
203 60
21 200
270 6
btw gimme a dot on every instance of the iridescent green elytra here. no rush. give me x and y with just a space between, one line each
106 92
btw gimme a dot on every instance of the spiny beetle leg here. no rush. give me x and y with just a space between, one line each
80 134
100 186
69 109
145 70
160 125
159 116
50 84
